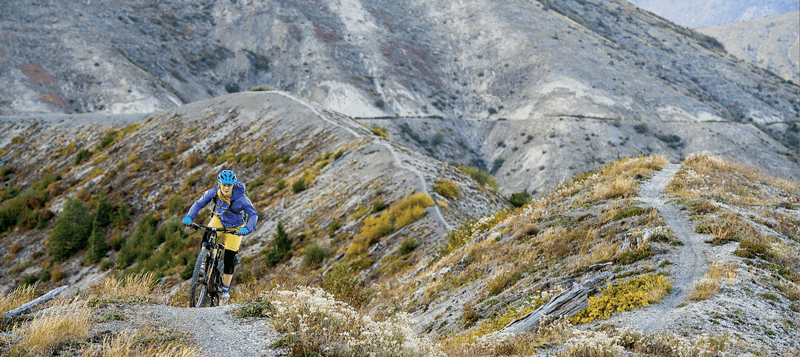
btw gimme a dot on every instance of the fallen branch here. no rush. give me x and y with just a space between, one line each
561 306
35 302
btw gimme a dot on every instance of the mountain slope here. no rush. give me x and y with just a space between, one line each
546 66
711 13
770 42
624 226
303 166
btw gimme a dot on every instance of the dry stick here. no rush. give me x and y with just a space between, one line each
35 302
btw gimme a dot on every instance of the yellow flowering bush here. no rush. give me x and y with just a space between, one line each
640 291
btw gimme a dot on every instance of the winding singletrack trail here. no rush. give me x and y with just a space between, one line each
690 261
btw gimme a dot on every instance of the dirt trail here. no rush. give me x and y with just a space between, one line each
690 261
217 332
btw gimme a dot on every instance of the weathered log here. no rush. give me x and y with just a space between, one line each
561 306
35 302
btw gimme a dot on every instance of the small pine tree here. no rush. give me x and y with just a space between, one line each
72 229
520 199
281 244
97 244
104 212
122 216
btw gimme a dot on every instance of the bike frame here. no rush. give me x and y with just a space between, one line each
209 279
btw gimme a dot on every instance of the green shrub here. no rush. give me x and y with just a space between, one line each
750 248
281 244
97 245
5 171
519 199
175 204
161 250
46 275
139 245
17 139
260 89
71 232
379 130
314 254
483 177
28 279
342 282
379 205
108 139
641 128
379 103
298 185
338 154
333 227
280 185
82 155
408 245
633 256
166 155
104 213
258 308
447 188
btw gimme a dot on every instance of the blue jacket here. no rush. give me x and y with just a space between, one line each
230 217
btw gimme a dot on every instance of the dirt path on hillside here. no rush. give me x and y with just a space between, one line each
395 156
217 332
690 261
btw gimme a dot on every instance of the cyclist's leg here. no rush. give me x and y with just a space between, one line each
232 242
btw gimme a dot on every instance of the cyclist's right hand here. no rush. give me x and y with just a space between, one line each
186 221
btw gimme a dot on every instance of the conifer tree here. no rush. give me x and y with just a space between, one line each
72 229
97 244
281 244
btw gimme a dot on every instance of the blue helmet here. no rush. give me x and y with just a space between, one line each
226 177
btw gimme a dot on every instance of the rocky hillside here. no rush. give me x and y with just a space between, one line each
323 175
698 258
717 12
771 42
539 90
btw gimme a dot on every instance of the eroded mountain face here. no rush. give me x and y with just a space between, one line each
771 42
589 81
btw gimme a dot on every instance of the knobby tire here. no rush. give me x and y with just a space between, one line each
195 299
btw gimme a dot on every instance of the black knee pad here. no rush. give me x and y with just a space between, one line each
229 262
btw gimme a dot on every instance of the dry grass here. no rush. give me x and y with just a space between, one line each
53 329
525 344
705 175
149 340
17 298
134 288
709 284
314 323
621 186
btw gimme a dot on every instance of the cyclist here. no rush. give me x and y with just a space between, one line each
232 210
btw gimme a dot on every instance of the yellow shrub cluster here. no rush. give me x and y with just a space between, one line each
447 188
399 215
641 291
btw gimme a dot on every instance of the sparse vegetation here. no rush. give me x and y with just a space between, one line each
519 199
483 177
639 291
281 245
447 188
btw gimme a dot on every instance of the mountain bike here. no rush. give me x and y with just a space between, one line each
206 285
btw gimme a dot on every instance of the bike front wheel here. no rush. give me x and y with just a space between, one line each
199 288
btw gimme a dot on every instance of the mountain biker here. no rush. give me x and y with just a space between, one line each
232 210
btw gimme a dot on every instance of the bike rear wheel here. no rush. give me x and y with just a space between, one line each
199 289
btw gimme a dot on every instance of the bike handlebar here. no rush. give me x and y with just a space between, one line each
214 229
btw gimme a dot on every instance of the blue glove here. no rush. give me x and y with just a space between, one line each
243 231
187 221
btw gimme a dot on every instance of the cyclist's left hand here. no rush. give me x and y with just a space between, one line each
243 231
